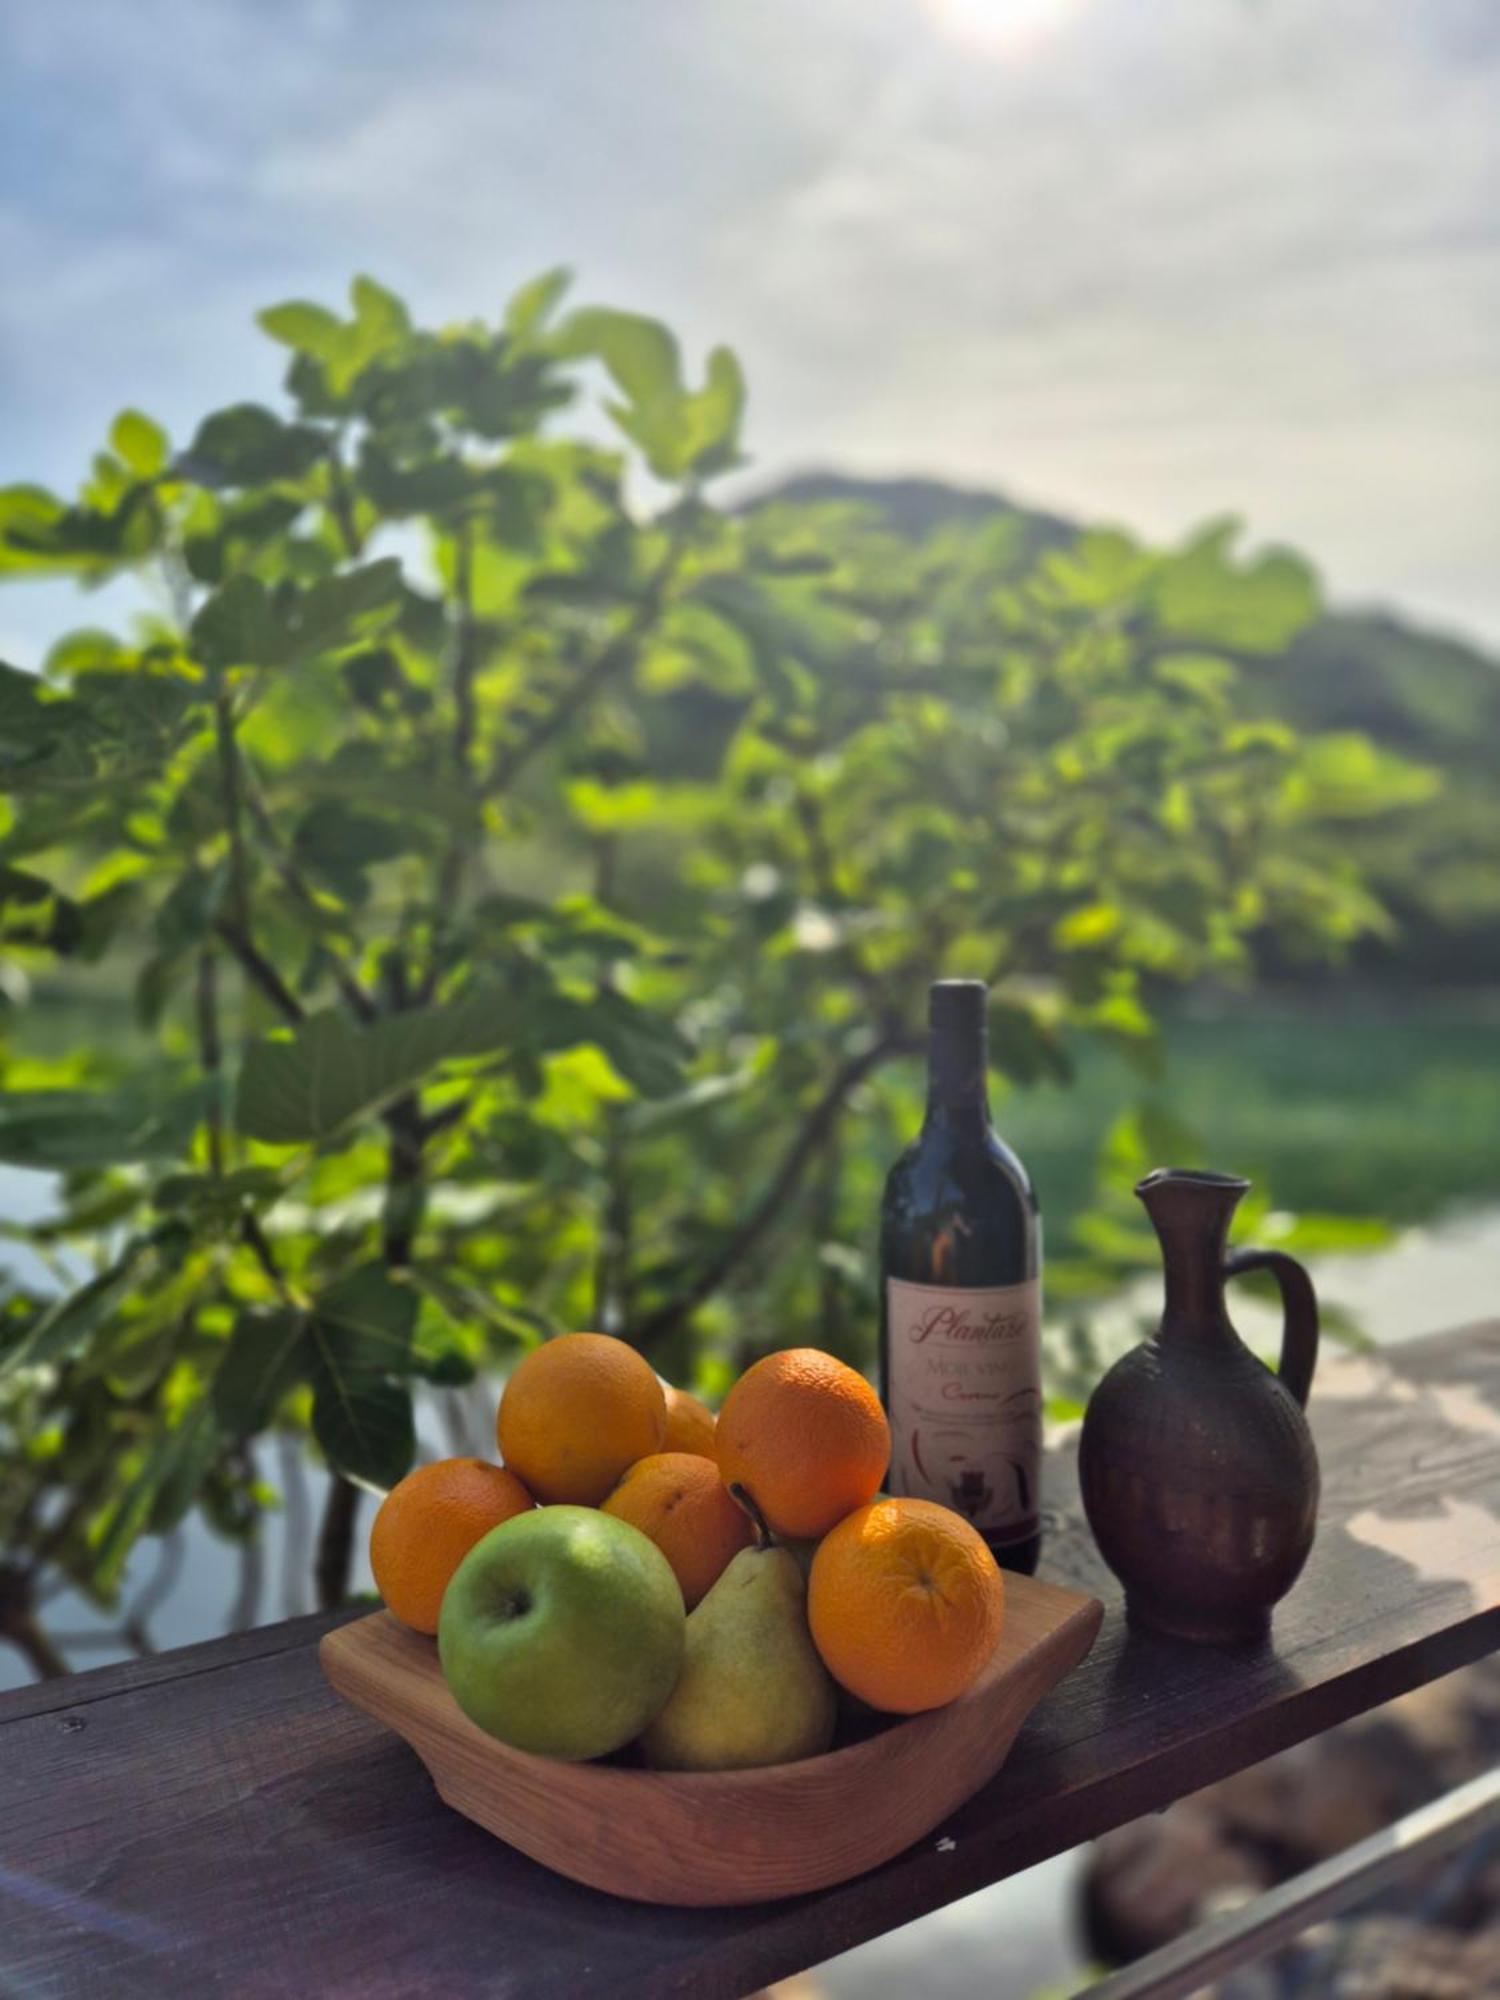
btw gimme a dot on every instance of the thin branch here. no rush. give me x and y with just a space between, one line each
246 1611
438 1122
614 659
260 971
356 999
259 1244
335 1559
404 1189
229 779
341 500
779 1191
18 1624
454 864
465 655
210 1055
825 879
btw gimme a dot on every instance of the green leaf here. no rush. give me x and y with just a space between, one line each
71 1322
639 353
531 307
379 314
714 414
29 725
341 608
646 1050
39 534
366 1322
149 1118
218 1200
362 1420
1258 609
464 1304
33 912
643 359
327 1074
188 1446
142 444
1026 1047
200 1442
685 1104
305 328
338 845
190 909
235 626
269 1351
249 445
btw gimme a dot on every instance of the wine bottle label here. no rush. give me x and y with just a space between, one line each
964 1387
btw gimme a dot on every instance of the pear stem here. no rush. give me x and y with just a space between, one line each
763 1536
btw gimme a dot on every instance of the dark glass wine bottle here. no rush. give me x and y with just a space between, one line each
960 1294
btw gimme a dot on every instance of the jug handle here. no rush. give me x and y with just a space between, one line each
1299 1307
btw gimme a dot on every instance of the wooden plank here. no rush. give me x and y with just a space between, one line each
236 1830
78 1690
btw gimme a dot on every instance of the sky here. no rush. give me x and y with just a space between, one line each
1144 263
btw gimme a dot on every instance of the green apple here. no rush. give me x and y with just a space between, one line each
562 1632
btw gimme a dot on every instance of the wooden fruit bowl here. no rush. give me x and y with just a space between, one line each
721 1836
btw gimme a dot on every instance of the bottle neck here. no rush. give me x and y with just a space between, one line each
1193 1304
1191 1213
957 1080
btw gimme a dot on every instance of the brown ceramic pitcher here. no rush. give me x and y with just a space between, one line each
1199 1477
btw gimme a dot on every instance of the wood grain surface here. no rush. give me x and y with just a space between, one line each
726 1836
220 1825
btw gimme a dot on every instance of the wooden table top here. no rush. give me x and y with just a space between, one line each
214 1822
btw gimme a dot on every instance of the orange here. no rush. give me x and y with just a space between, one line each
906 1604
807 1439
428 1523
690 1424
576 1413
678 1501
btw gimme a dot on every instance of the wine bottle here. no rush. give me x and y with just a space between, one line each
960 1285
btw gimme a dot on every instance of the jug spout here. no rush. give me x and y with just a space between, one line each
1191 1210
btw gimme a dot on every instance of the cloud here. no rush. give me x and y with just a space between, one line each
1155 263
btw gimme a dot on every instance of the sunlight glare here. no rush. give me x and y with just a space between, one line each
1008 27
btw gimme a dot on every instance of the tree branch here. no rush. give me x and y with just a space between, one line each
18 1624
229 778
355 998
615 657
210 1055
341 500
260 971
454 864
404 1187
336 1542
259 1244
779 1191
825 879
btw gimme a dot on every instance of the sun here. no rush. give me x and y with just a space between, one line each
1008 27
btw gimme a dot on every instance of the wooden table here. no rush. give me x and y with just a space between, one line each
212 1822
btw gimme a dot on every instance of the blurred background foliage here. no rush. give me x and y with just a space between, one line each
491 887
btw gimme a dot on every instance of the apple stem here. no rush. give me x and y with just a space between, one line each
763 1536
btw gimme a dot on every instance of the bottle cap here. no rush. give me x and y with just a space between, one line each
956 1004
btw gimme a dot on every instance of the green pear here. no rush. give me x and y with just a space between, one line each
752 1688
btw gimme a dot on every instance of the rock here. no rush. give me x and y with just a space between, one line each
1149 1882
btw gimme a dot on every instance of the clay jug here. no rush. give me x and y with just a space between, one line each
1199 1477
